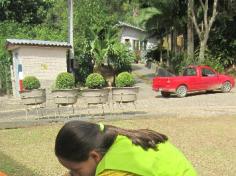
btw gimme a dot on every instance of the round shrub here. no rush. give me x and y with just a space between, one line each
31 82
65 81
124 79
95 81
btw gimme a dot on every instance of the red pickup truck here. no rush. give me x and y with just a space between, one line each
195 78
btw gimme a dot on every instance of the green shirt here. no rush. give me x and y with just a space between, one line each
125 156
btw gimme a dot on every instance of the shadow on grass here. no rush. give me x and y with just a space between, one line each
13 168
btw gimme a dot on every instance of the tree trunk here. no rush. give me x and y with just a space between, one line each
206 24
174 41
202 51
190 32
161 46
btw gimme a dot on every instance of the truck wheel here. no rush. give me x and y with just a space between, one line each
181 91
226 86
165 94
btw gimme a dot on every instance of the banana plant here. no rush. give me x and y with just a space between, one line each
101 44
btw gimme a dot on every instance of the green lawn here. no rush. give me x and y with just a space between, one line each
208 142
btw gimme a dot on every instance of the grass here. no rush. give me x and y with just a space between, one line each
209 143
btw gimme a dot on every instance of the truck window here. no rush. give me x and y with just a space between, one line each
190 72
206 72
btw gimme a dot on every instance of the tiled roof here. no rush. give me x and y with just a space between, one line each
37 43
130 26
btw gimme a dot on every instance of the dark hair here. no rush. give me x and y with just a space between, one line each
77 138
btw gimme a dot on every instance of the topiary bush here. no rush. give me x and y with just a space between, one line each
65 81
124 79
95 81
30 83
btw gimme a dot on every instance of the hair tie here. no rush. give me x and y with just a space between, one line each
101 126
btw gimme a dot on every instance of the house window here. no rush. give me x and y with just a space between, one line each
127 42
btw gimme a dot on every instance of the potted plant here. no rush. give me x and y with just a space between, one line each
95 93
124 91
32 94
64 92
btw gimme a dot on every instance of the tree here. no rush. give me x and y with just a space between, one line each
190 32
164 17
222 42
24 11
206 24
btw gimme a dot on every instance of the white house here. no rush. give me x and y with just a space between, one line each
43 59
136 37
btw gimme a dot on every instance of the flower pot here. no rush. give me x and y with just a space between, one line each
33 97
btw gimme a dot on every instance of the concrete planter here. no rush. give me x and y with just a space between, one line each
65 97
33 97
96 96
124 94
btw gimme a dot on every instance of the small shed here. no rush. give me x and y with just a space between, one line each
43 59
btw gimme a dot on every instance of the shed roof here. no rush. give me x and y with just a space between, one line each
37 43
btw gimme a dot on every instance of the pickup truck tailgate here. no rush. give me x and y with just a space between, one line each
161 83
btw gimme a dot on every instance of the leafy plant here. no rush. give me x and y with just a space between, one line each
213 61
65 81
179 61
124 79
31 82
95 81
85 67
120 57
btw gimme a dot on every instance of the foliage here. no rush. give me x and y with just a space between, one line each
231 71
65 81
222 42
31 82
212 60
125 79
24 11
95 81
162 16
84 67
120 57
102 44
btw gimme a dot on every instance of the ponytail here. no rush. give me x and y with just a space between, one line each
142 137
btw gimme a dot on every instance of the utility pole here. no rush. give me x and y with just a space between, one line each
70 33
